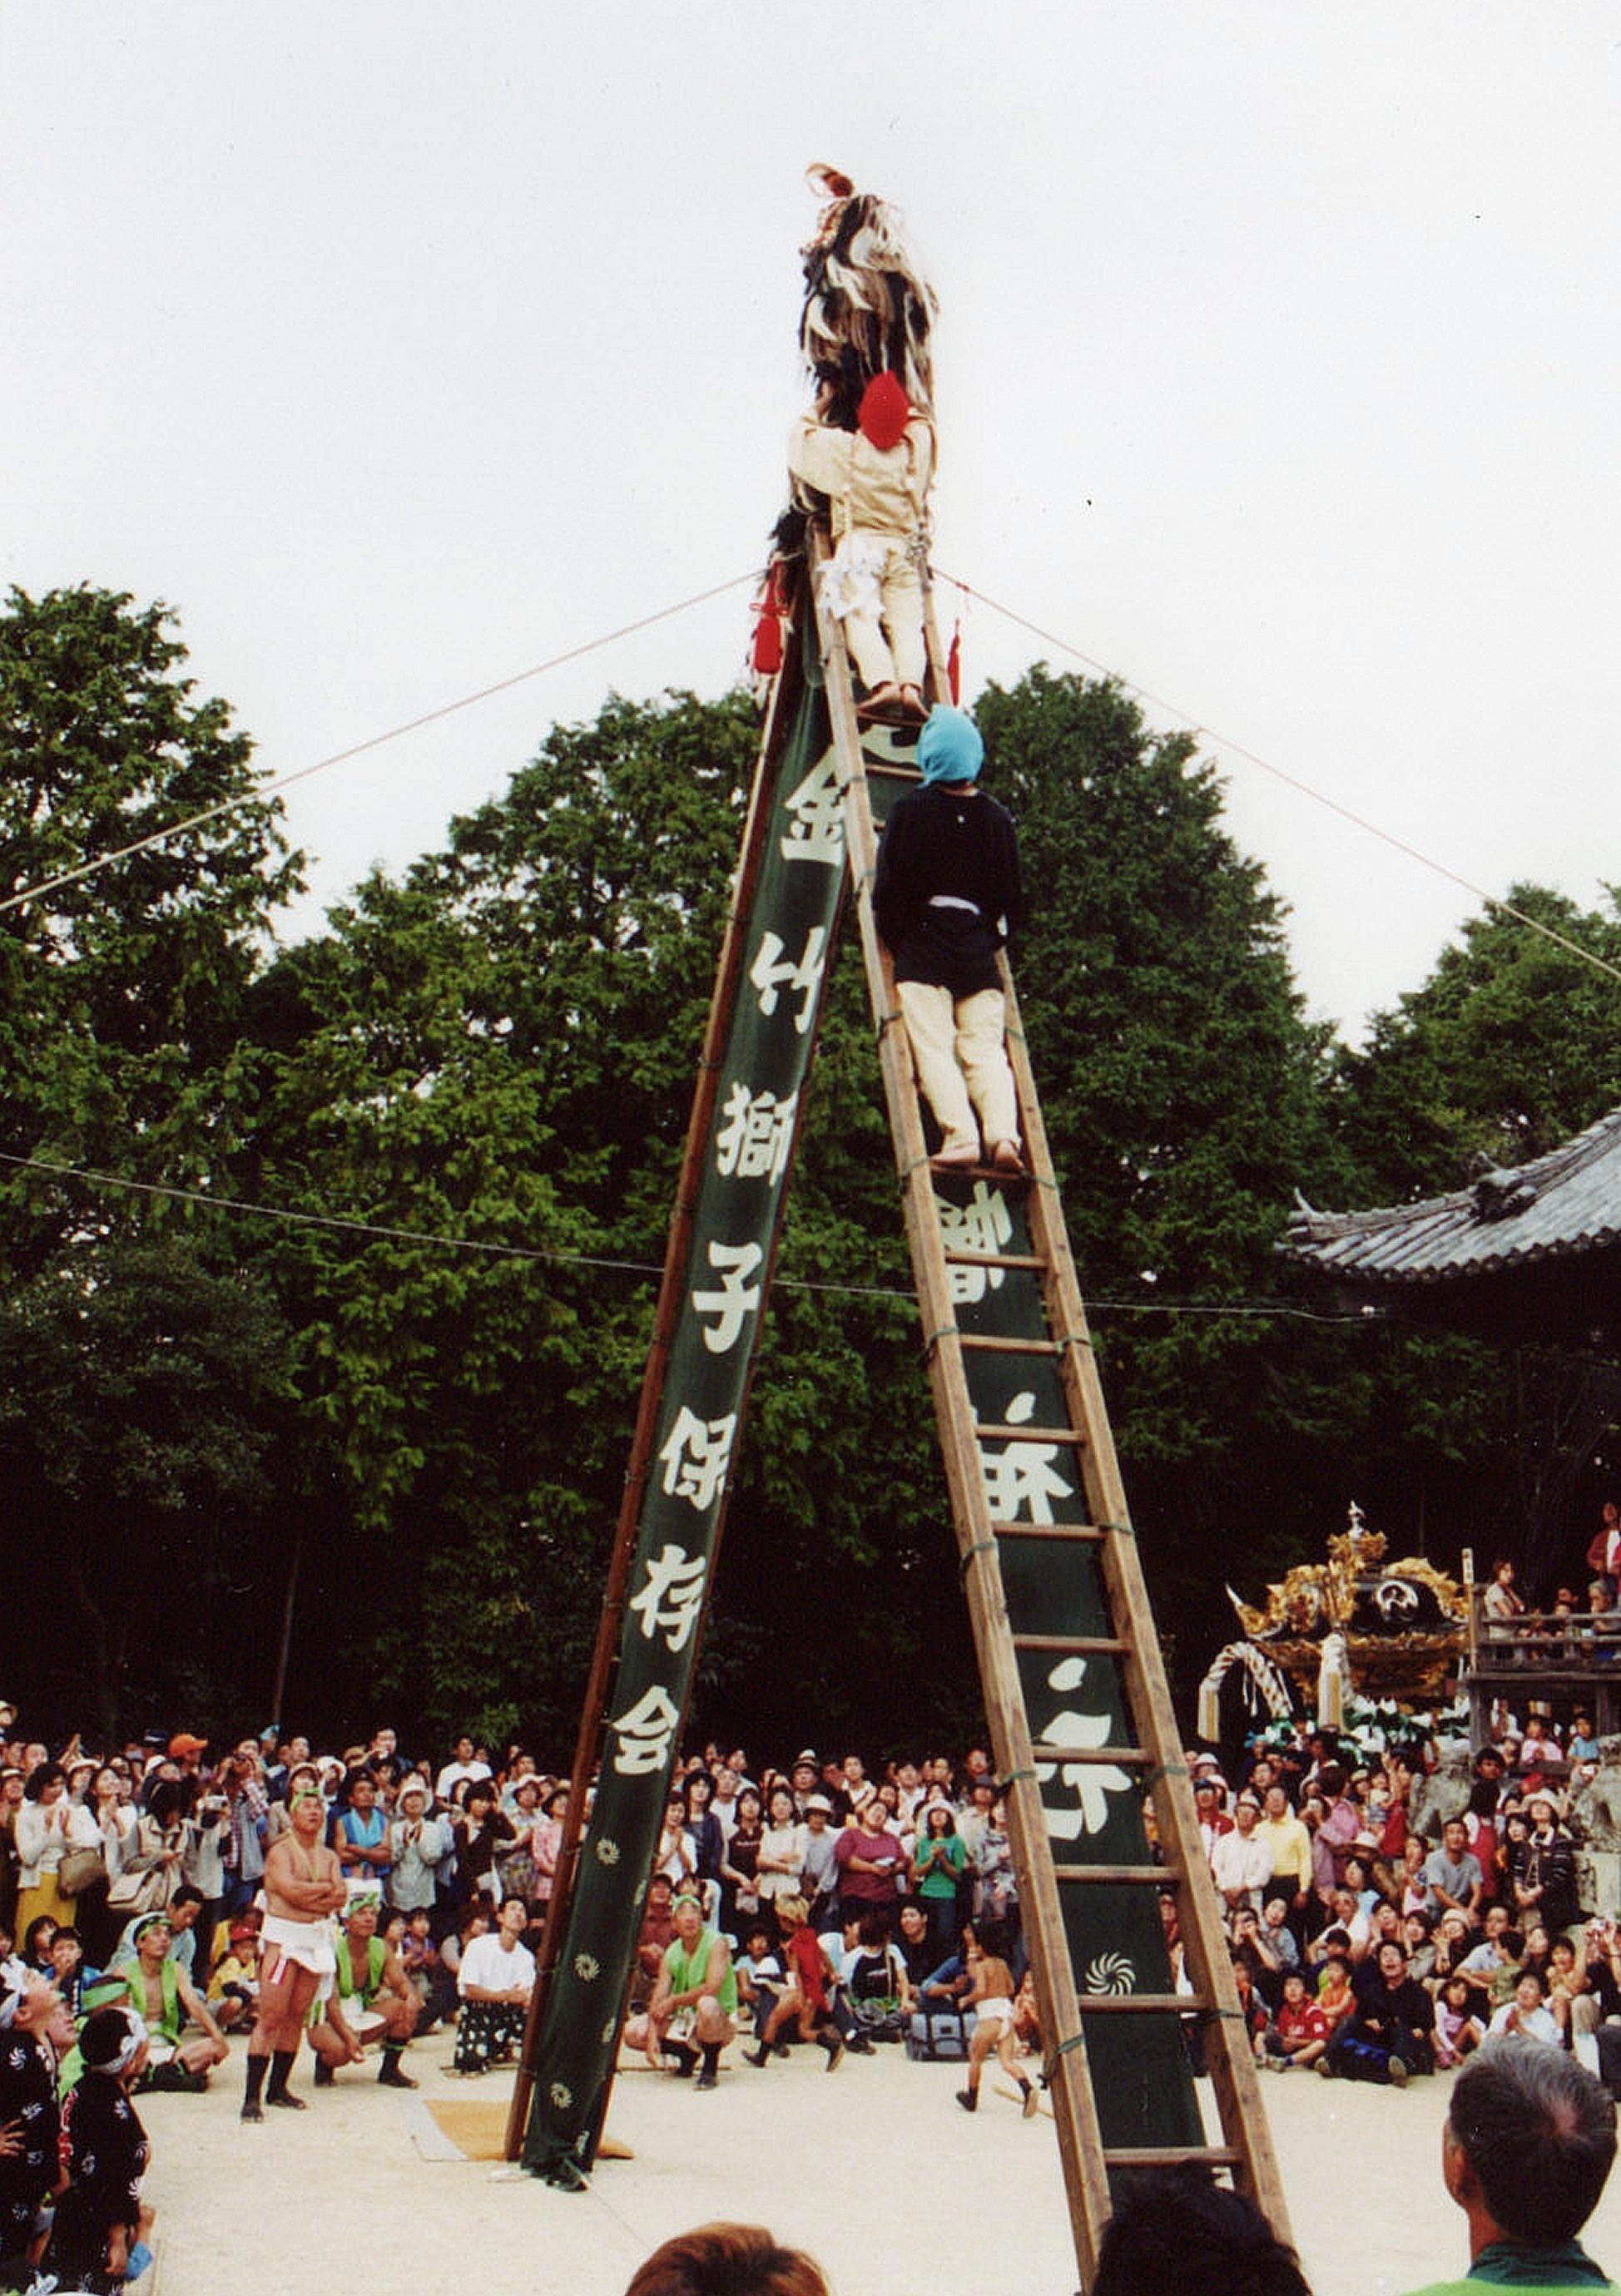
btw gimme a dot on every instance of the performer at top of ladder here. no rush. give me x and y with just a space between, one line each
869 447
947 895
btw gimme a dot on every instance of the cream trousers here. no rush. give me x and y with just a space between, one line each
961 1059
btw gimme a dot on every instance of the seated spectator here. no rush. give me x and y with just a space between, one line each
1387 2037
497 1978
1459 2025
761 1977
693 2013
1545 1882
1528 2014
101 2224
1300 2031
372 2000
167 2002
232 1992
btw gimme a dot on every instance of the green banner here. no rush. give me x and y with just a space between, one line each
766 1058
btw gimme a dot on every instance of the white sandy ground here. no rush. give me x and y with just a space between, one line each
872 2168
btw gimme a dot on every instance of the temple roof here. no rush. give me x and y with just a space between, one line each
1560 1205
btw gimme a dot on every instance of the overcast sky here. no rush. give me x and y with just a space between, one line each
402 347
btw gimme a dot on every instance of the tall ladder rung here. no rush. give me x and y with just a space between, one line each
1171 2156
988 1344
1029 1259
1076 1533
1124 1758
1158 2004
1002 1431
1158 1877
1075 1645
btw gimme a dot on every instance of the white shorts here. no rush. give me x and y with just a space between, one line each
996 2011
310 1944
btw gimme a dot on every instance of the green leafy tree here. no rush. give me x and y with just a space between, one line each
122 994
1182 1086
145 1400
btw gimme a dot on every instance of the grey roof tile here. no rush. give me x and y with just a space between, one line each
1567 1201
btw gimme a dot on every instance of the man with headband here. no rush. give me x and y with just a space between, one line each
101 2219
946 896
374 1999
303 1890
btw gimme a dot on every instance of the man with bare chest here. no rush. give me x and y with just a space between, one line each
304 1889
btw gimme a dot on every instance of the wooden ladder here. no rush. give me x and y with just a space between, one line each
1100 1809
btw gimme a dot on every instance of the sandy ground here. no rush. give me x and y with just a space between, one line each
873 2168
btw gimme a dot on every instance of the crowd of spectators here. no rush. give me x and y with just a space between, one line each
1373 1948
853 1908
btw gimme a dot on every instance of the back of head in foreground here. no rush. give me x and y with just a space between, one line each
728 2260
1530 2138
1176 2229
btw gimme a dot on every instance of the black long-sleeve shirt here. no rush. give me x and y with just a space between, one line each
941 843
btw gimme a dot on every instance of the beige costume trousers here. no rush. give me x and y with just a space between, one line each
888 643
960 1053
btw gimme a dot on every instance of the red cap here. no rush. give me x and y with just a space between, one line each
186 1744
885 412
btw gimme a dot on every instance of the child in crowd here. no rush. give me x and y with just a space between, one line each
759 1978
1458 2025
1300 2030
989 1995
807 2003
1336 1993
235 1983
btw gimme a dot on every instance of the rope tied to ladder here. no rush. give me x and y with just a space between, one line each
980 1546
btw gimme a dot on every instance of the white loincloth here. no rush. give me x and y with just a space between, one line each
310 1943
997 2011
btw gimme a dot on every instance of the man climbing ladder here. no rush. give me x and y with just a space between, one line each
947 897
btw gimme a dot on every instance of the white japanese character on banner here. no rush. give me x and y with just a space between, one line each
696 1452
817 831
984 1224
671 1601
644 1733
736 1298
1091 1782
768 972
755 1134
1023 1474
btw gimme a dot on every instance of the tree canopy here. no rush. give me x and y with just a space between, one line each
396 1358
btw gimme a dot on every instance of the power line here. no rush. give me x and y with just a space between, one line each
257 795
1289 780
534 1253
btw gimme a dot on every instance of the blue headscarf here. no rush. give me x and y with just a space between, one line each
949 749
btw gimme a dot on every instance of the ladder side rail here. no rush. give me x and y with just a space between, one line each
1075 2115
1232 2068
594 1711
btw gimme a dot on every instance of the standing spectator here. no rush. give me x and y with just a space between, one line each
1241 1862
779 1863
939 1863
464 1767
869 1860
1452 1877
48 1825
1546 1883
418 1846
